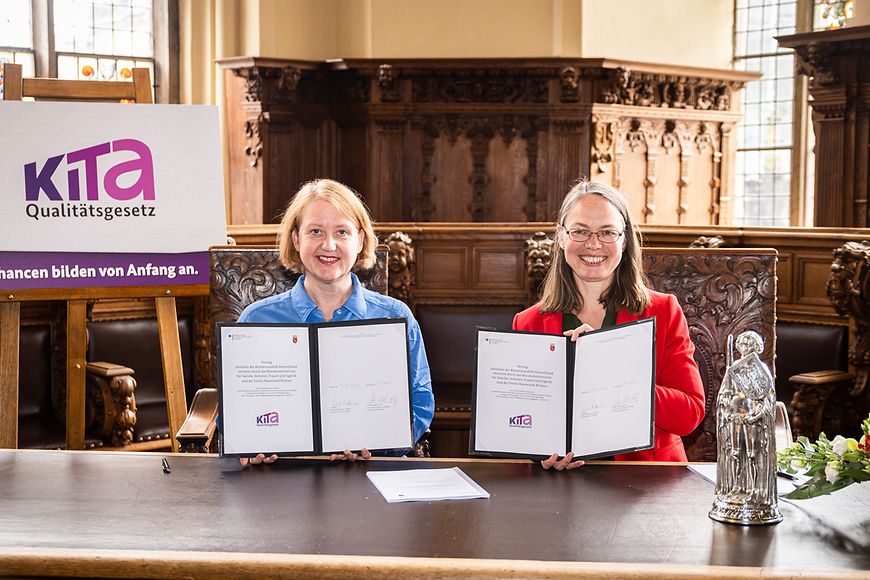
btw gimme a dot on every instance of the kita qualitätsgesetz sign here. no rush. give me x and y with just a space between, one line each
108 194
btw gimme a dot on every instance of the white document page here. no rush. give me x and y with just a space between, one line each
364 387
426 485
266 390
613 393
784 484
521 403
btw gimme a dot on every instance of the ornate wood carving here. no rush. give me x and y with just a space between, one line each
253 84
815 62
642 89
241 276
350 88
253 139
288 82
708 242
478 86
111 403
403 266
480 130
285 79
387 83
834 401
849 289
547 110
570 83
721 294
480 135
837 63
602 144
538 251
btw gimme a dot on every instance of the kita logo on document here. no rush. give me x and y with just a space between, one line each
269 419
521 421
552 346
295 339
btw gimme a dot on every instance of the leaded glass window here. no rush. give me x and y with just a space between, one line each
763 183
103 39
16 37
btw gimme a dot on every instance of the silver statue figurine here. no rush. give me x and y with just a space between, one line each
746 458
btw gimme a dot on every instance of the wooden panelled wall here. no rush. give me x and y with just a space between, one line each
482 140
483 264
838 64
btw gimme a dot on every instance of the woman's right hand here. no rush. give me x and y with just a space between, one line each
257 459
565 463
573 334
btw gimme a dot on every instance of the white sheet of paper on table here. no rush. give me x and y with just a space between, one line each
425 485
783 485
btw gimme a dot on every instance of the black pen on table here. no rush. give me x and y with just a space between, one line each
166 466
786 475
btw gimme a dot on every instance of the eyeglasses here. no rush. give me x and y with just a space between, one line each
604 236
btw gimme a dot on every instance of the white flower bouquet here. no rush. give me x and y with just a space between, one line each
831 464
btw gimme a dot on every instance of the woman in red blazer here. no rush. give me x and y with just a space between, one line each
596 279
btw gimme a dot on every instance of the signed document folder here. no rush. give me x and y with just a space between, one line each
539 394
305 389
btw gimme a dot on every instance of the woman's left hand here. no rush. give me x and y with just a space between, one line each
349 455
573 334
564 464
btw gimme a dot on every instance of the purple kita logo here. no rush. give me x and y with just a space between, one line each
523 421
269 419
42 179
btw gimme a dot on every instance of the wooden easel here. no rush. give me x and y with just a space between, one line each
15 88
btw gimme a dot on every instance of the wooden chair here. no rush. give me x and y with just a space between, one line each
240 276
722 292
116 399
837 401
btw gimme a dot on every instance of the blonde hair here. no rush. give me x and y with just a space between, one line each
345 200
628 290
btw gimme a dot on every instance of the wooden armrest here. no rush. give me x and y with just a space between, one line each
816 397
107 369
111 402
197 431
821 377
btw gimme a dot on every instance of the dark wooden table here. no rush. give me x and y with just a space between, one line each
119 515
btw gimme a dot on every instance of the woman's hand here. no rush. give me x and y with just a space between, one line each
257 459
565 463
349 455
577 331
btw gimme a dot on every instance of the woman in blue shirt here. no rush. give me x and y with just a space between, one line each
326 233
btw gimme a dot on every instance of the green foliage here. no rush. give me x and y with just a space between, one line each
831 464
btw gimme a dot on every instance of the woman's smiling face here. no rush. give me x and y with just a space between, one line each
328 242
593 260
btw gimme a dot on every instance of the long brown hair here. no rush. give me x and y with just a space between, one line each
628 290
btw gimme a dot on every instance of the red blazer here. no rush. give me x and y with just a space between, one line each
679 391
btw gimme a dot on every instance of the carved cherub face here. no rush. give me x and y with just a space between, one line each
398 256
538 259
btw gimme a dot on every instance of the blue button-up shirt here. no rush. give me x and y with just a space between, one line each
296 306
